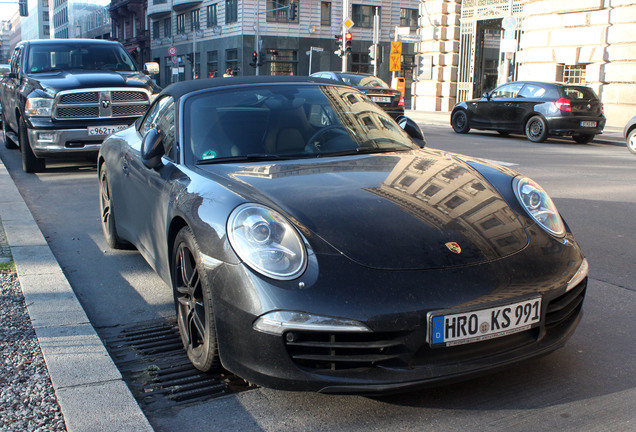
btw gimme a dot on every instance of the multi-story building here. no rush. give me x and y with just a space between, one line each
37 24
470 46
5 41
129 26
218 35
69 17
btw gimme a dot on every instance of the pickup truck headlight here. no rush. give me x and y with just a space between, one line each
38 107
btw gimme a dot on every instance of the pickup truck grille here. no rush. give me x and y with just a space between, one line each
101 103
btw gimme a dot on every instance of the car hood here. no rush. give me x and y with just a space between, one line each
70 80
410 210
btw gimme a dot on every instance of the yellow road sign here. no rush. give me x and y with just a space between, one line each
396 48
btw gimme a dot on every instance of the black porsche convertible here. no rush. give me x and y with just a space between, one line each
314 243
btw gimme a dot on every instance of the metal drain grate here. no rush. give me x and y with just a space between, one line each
152 360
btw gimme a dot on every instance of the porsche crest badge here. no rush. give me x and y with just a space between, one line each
454 247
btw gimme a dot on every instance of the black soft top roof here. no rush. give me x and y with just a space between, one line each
179 89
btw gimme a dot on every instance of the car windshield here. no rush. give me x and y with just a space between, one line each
286 121
362 80
82 56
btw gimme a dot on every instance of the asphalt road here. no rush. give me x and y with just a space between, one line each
590 385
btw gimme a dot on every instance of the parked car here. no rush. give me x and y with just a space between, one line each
4 70
63 96
312 244
391 100
630 135
537 109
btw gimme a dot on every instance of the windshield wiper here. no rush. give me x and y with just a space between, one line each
365 150
254 157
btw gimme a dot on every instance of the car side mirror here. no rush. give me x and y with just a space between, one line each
486 95
412 129
152 149
151 68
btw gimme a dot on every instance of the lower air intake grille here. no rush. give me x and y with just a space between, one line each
336 351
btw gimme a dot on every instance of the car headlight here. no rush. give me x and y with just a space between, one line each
38 107
539 205
266 242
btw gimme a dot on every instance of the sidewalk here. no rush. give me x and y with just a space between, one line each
89 388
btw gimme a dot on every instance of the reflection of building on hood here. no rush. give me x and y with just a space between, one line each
448 194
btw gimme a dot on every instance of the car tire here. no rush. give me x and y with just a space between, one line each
536 129
107 215
631 141
30 163
583 138
193 303
459 122
8 142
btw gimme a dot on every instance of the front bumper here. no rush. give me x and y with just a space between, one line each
50 140
395 355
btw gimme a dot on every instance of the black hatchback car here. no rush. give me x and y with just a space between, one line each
389 99
537 109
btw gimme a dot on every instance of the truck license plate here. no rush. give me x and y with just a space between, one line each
479 325
104 130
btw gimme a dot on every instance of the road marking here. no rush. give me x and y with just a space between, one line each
499 162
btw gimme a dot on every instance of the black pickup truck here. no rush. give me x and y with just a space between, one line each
62 97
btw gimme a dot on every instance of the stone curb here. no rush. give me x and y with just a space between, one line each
89 388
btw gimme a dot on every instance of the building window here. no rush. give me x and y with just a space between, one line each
213 63
181 23
360 62
231 59
325 13
283 62
408 18
155 30
363 15
571 74
134 25
167 27
279 11
45 16
195 23
231 11
212 17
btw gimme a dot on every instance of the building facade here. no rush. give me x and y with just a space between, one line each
218 35
470 46
129 26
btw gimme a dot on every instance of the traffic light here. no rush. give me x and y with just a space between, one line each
348 38
339 48
372 52
292 11
190 57
254 61
24 7
261 58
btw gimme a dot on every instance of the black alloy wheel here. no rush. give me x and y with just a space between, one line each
30 163
459 122
193 302
537 129
583 138
107 215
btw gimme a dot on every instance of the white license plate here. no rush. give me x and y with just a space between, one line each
473 326
588 124
381 99
104 130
